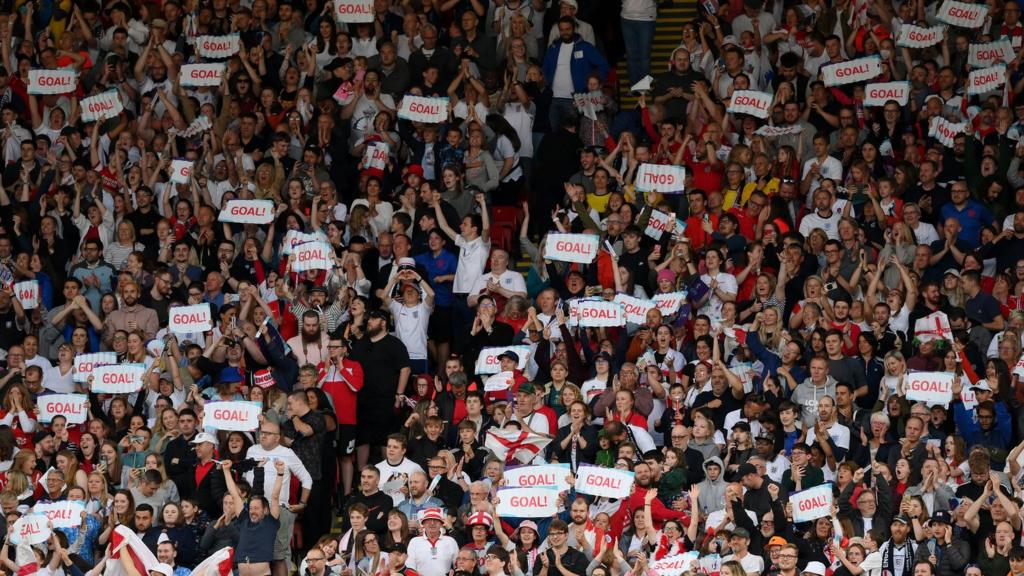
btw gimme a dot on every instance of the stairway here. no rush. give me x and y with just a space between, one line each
667 34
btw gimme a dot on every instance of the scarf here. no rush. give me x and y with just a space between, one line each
667 547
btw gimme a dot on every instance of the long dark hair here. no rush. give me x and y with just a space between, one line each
501 127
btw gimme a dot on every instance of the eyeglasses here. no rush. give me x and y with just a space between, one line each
491 557
787 555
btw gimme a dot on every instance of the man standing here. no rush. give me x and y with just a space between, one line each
386 370
303 433
258 529
270 450
201 483
433 553
179 456
310 345
131 316
93 272
567 64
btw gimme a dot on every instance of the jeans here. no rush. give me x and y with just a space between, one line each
560 108
638 36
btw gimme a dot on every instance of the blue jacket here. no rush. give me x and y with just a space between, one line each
585 61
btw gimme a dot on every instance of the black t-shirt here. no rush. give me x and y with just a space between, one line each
982 308
382 362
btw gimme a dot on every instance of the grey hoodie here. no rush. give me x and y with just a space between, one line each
712 493
806 395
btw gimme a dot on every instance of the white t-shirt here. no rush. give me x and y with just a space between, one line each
713 307
509 280
830 168
562 87
925 233
751 563
829 225
389 472
411 327
472 260
432 559
54 380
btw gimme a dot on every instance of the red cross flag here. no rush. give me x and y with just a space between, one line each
518 445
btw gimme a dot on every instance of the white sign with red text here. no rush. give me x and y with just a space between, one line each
190 319
181 170
218 46
663 178
912 36
676 564
990 53
63 514
597 313
812 503
986 79
932 388
238 416
599 481
670 302
313 256
527 502
206 74
962 14
117 378
500 381
487 362
945 131
751 102
376 156
27 293
543 476
423 109
52 81
86 363
74 407
859 70
353 10
634 309
579 248
879 93
32 529
294 237
248 212
658 224
102 106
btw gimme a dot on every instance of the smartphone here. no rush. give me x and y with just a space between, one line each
830 286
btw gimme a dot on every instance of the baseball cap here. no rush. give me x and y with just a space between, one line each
746 468
204 437
742 425
777 541
942 517
902 518
510 355
413 169
397 547
406 263
952 271
982 385
526 388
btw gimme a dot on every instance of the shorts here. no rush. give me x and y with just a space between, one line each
283 543
374 427
439 329
346 440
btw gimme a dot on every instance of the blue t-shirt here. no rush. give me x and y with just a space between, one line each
444 264
255 541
